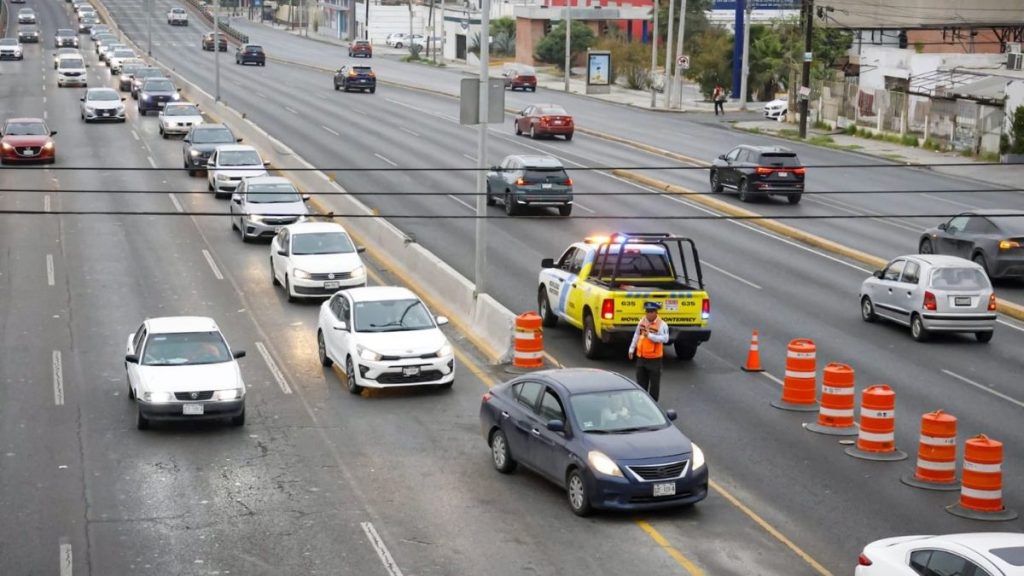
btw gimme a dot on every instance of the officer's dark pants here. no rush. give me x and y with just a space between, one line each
648 375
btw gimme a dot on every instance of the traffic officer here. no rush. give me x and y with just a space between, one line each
648 346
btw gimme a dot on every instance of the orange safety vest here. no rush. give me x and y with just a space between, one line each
647 348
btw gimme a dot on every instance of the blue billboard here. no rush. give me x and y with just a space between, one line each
758 4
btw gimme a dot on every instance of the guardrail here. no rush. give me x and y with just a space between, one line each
204 9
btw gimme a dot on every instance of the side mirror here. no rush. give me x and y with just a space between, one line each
179 89
495 169
238 139
132 358
721 156
306 198
342 326
82 99
125 99
53 132
556 426
238 354
671 414
237 199
877 274
547 263
942 226
282 252
442 320
360 249
266 162
88 66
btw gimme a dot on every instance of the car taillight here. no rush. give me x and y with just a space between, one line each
763 171
487 397
568 182
544 120
521 182
1009 244
863 560
800 171
608 309
992 302
929 301
705 309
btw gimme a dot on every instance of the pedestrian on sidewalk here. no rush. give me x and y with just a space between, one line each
718 96
648 346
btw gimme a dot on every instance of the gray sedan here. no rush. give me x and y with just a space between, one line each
931 293
523 181
991 238
262 205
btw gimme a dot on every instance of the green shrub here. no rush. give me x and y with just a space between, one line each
909 140
851 130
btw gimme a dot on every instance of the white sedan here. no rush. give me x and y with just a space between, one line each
315 259
977 554
229 164
384 336
181 367
102 104
178 118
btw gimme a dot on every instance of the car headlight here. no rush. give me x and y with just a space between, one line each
603 464
259 220
367 354
157 397
445 350
359 272
194 152
227 394
7 146
175 96
698 457
220 176
120 108
90 109
145 96
48 146
301 274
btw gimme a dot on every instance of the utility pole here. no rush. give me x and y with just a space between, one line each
568 42
366 21
668 53
805 101
444 33
677 77
481 148
654 56
746 53
149 29
216 50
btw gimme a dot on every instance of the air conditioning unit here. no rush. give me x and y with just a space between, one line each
1014 61
1013 47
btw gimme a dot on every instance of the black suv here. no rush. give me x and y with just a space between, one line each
757 171
355 78
201 141
250 53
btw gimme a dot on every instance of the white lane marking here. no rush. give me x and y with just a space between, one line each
385 159
213 265
407 131
582 207
329 130
46 203
382 550
953 202
290 110
984 388
1010 325
58 379
463 202
49 269
729 274
773 378
135 134
425 111
66 565
45 114
174 200
843 206
44 99
151 161
471 158
274 370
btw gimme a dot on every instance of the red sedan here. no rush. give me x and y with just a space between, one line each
27 140
544 120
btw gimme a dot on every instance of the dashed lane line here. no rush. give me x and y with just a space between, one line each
984 388
382 550
274 370
66 560
384 158
46 203
151 161
292 110
58 379
213 265
174 200
49 270
329 130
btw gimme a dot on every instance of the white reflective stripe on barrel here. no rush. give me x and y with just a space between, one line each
804 355
840 413
981 494
983 468
933 441
872 437
937 466
802 375
837 391
526 335
528 355
880 414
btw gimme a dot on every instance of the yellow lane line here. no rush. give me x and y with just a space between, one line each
676 555
770 529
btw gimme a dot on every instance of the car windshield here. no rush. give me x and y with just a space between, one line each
546 174
28 28
188 110
8 42
212 136
959 279
272 193
65 32
239 158
526 71
634 263
148 73
26 129
254 48
123 53
321 243
159 86
1013 225
392 316
187 348
616 412
104 95
73 63
552 110
129 69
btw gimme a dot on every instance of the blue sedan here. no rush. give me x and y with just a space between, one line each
598 435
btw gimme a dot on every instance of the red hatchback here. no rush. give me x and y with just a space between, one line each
27 140
544 120
520 78
360 48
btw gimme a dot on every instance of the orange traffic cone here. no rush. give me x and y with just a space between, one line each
753 356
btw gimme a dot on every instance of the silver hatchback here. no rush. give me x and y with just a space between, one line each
931 293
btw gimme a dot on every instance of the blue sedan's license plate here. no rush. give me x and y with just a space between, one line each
665 489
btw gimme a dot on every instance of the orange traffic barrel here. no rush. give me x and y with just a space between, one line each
835 416
981 493
936 454
877 437
528 352
799 387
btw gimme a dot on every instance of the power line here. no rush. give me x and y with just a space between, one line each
63 191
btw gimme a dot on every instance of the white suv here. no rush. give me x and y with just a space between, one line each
229 164
180 367
71 71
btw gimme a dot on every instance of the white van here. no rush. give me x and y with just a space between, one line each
71 70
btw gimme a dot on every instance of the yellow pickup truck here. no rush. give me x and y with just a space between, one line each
600 285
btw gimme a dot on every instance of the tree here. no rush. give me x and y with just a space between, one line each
776 50
711 60
696 23
505 24
630 60
551 48
1013 143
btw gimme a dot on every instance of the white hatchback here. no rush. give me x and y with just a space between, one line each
180 367
229 164
315 259
178 118
384 337
978 554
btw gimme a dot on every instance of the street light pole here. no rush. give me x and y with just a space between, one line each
444 33
668 53
481 149
676 78
749 8
568 43
366 21
149 29
654 56
806 80
216 50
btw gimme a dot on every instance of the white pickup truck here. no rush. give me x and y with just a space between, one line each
177 17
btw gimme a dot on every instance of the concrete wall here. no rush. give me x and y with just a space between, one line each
386 20
878 62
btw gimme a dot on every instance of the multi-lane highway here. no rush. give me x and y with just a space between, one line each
321 482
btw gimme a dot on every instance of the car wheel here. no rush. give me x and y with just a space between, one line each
288 289
565 211
533 132
979 259
593 348
490 201
241 230
191 172
716 184
141 422
568 136
240 419
131 393
548 317
335 86
373 90
162 133
273 274
576 488
984 337
744 191
925 247
917 329
511 209
685 350
519 129
350 378
234 226
533 89
325 360
867 310
500 454
209 186
793 198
